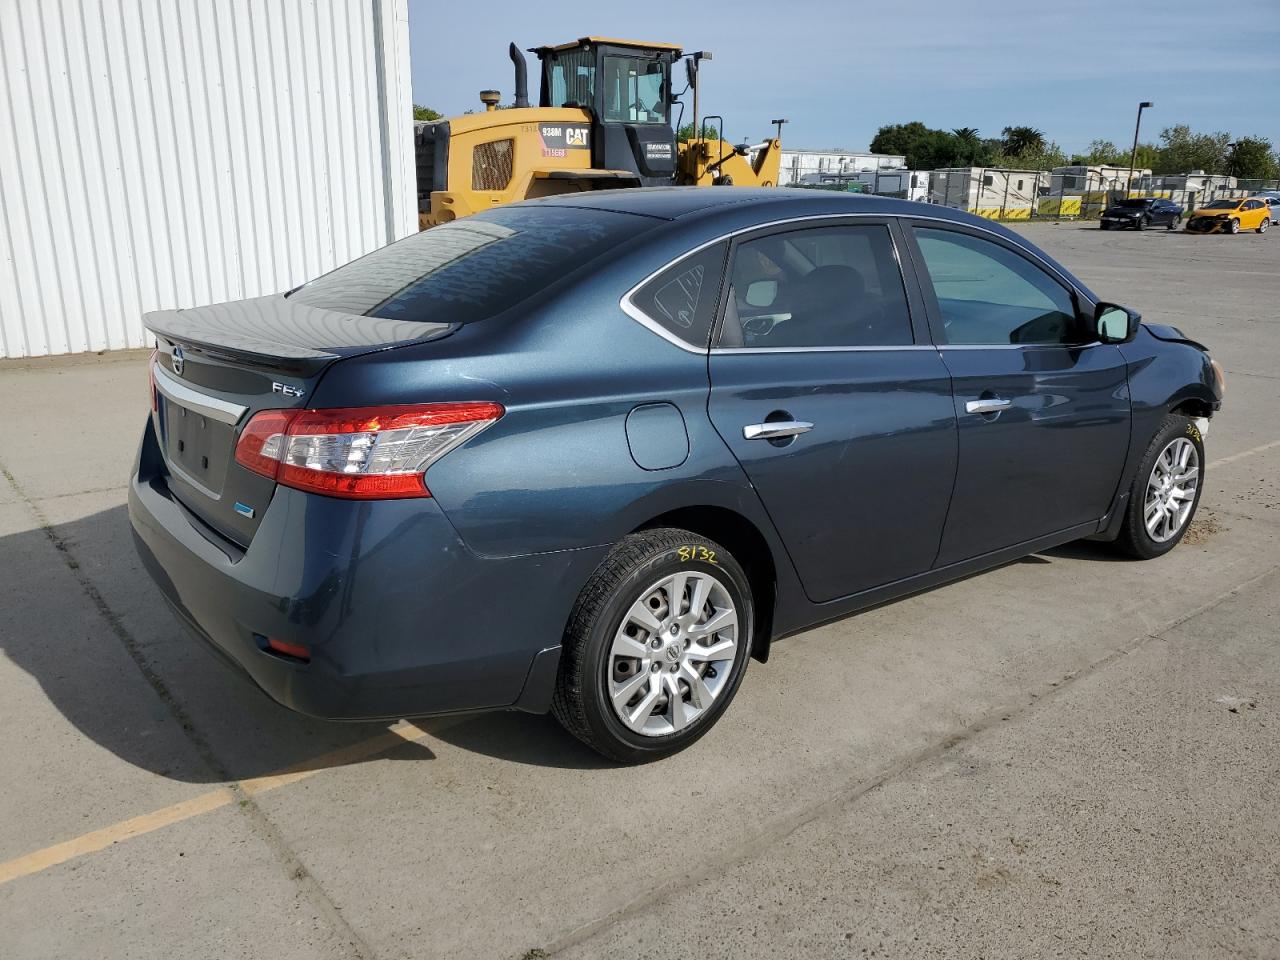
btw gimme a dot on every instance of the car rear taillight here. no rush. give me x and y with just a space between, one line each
361 453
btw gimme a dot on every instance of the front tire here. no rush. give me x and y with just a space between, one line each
1234 226
656 646
1141 223
1165 491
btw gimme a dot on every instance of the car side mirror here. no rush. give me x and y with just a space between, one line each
1115 324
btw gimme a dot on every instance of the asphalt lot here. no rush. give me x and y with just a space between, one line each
1069 756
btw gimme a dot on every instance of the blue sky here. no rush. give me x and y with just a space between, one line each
1076 69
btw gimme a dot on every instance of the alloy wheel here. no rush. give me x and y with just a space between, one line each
673 654
1171 490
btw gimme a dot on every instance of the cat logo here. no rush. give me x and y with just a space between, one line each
575 137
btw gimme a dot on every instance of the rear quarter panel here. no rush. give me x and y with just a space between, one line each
556 472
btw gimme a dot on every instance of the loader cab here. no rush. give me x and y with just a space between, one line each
625 86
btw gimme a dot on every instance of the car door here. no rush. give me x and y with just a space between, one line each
1042 408
827 390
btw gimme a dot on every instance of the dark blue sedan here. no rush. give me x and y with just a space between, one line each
591 454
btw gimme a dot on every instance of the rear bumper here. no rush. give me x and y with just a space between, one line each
400 617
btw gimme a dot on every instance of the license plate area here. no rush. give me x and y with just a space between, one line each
196 447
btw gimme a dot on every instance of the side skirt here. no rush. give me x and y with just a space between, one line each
839 609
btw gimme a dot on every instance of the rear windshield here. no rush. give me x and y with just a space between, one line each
472 268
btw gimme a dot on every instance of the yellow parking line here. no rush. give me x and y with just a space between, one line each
149 822
101 839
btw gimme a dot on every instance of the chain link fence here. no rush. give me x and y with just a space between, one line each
1083 194
1071 193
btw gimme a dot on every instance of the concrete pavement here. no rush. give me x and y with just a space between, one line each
1069 755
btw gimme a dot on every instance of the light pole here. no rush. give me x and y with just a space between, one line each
1231 158
1133 156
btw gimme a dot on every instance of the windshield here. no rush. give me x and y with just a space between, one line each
634 90
1222 205
472 268
1133 204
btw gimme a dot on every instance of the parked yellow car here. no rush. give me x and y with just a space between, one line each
1231 216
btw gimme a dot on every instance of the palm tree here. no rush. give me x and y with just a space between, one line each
1019 141
968 145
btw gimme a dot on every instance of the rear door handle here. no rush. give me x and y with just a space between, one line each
776 428
987 405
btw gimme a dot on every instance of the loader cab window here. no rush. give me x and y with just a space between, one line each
635 90
571 79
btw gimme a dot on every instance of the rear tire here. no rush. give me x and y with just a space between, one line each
1165 491
635 640
1262 227
1173 224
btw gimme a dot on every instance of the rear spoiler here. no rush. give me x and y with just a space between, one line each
280 333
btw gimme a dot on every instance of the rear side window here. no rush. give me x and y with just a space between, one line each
472 268
820 287
682 299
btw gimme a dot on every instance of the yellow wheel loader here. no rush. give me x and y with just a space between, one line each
603 121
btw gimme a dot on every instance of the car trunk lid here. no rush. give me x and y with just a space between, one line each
215 367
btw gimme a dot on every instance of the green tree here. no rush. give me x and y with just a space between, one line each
1046 157
924 148
1101 152
1022 141
424 113
685 132
1252 159
971 149
1182 151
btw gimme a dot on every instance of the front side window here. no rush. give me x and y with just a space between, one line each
683 298
634 91
821 287
988 294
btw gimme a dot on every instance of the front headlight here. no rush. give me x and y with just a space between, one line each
1219 377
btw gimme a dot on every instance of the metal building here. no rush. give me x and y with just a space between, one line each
168 153
809 166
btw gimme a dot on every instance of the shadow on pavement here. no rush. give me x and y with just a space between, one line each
57 633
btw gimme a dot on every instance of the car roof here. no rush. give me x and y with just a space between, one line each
708 210
673 203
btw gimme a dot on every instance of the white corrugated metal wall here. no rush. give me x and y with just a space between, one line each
169 153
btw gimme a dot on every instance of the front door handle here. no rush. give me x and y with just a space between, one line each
987 405
775 429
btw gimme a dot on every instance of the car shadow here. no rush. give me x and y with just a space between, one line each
1088 550
84 621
